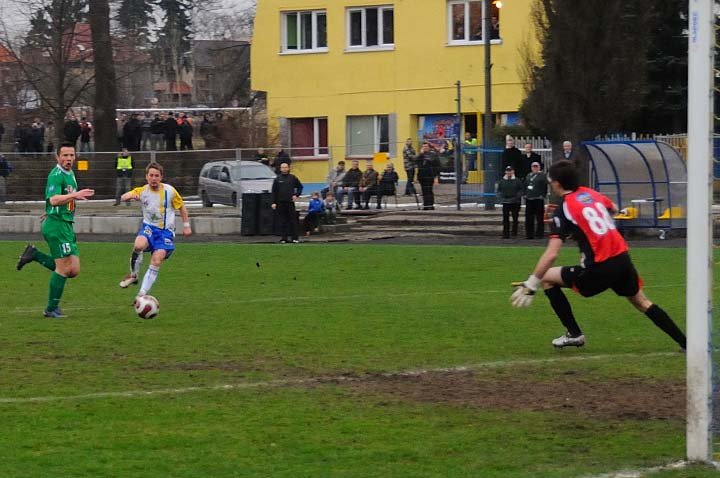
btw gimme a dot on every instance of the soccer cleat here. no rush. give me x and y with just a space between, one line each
26 257
568 341
128 280
54 314
295 241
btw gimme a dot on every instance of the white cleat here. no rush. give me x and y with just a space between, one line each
128 280
568 341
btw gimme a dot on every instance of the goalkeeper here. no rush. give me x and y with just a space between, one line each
584 215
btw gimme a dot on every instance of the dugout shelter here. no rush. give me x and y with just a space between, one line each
647 179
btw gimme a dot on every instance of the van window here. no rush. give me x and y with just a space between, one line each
252 171
214 172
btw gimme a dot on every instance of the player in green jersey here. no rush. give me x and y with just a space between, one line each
61 192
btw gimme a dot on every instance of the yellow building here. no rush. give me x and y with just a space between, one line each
347 78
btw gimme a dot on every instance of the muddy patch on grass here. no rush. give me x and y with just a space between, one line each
621 399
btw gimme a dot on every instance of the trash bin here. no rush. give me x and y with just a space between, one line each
257 215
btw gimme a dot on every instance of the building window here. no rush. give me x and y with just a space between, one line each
465 21
367 135
371 27
304 31
308 137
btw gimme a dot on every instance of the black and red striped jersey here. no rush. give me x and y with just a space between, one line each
584 215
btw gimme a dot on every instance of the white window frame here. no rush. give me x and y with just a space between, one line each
284 33
316 138
381 40
376 135
466 40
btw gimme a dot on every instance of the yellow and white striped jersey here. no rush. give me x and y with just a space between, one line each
159 207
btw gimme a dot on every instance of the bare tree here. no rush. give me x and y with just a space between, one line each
105 97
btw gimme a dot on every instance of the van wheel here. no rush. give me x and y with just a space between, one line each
205 201
233 199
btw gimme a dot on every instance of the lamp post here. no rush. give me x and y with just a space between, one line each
489 166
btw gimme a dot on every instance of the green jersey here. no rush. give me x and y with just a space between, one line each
60 182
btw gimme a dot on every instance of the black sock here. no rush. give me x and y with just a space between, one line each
562 308
666 324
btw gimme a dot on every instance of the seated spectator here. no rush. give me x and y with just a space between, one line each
262 157
388 183
334 179
332 208
351 185
316 208
369 183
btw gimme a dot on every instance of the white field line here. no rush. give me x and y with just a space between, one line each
315 298
322 379
678 465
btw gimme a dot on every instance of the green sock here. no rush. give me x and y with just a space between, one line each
57 284
45 260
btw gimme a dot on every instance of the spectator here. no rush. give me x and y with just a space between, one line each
470 150
568 152
2 132
145 132
132 133
281 158
206 131
409 164
72 130
536 188
120 128
35 139
530 156
334 179
170 131
428 168
509 193
316 209
285 190
185 132
512 156
157 135
85 132
19 138
332 208
50 133
124 169
5 170
388 183
494 28
262 157
369 183
351 185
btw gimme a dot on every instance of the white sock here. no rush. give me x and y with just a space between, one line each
136 263
149 279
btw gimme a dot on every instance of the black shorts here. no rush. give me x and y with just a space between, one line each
617 273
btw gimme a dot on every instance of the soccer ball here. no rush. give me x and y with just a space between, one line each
147 307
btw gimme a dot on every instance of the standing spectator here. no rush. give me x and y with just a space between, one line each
536 188
368 183
19 138
285 190
316 209
206 131
61 192
428 169
281 158
494 28
568 152
35 139
5 170
332 208
530 156
132 133
262 157
72 130
145 132
470 149
50 133
351 185
85 133
170 131
185 131
120 128
334 179
388 183
124 169
509 194
409 164
157 127
512 156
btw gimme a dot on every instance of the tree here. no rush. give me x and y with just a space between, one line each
105 97
174 37
135 18
590 76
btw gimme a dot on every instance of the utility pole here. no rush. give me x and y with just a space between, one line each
458 143
489 169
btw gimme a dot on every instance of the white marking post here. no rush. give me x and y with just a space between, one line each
699 231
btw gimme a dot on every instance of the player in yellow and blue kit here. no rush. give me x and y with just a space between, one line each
160 203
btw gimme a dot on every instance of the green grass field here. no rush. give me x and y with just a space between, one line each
295 368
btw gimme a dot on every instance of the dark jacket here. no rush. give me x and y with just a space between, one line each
369 178
282 157
285 187
428 165
170 127
513 157
157 126
5 167
536 186
387 182
534 157
510 191
352 178
72 130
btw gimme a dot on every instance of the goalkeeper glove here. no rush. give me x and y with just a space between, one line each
524 291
